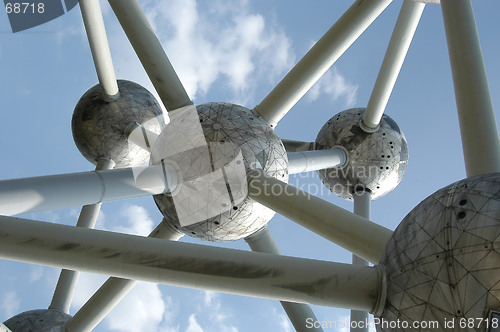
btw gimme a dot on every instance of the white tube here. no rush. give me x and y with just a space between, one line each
308 161
319 59
4 328
298 313
189 265
354 233
96 33
76 189
478 126
362 208
401 38
112 291
66 285
151 54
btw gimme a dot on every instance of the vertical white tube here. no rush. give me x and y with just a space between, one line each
298 313
65 288
478 126
362 208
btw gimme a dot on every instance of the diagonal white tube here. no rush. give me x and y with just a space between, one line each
401 38
354 233
298 313
151 54
319 59
96 33
112 291
4 328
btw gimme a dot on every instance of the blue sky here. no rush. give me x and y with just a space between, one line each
233 51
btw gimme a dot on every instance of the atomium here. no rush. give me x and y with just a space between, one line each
49 320
214 147
99 126
441 263
443 260
377 161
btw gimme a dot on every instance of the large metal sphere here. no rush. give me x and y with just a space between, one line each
98 126
214 146
43 320
377 161
443 261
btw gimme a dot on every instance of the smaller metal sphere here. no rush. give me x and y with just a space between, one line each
99 126
43 320
377 161
442 262
213 147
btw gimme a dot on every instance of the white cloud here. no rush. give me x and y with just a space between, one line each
63 34
132 219
193 325
143 309
279 316
87 285
285 324
336 86
10 304
227 44
211 315
47 216
209 298
170 317
36 273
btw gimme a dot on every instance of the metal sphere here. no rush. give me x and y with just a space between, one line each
443 263
377 161
43 320
98 126
214 146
